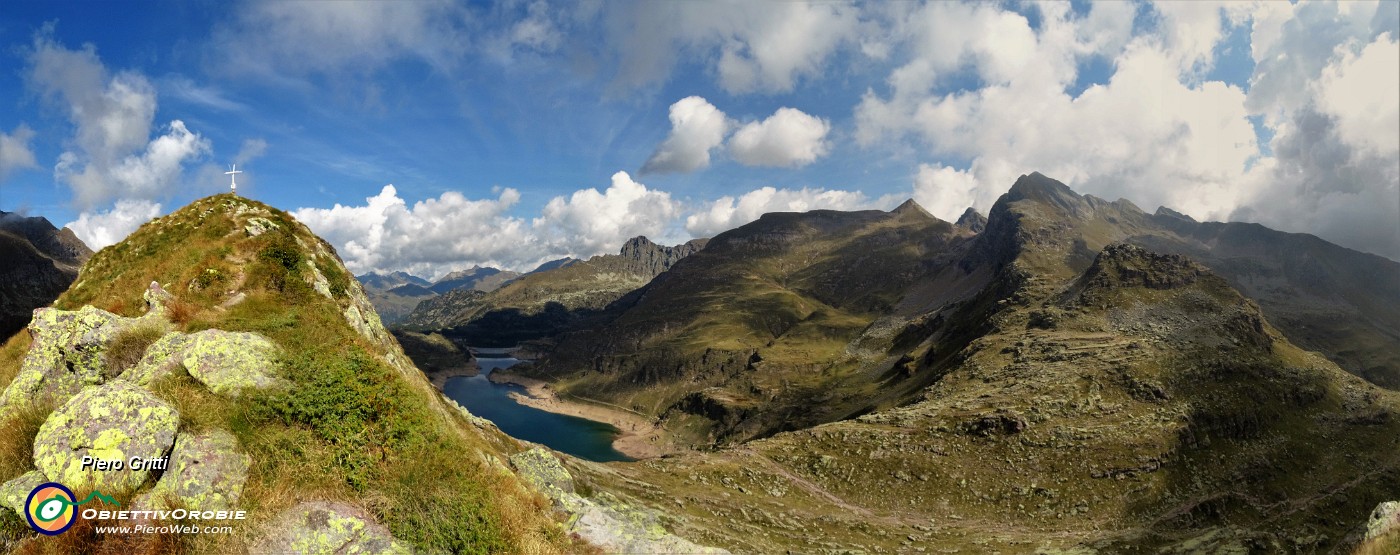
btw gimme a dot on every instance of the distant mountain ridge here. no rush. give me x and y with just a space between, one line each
554 295
40 262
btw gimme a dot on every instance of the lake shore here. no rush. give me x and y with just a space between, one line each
640 438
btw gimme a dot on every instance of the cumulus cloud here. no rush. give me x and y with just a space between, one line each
787 138
15 153
946 192
103 228
729 212
590 222
697 127
387 233
435 236
113 154
1360 90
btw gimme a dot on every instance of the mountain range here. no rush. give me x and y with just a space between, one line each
1076 374
40 262
548 299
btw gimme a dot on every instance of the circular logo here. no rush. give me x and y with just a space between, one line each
49 509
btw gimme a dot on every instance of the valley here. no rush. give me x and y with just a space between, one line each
1057 380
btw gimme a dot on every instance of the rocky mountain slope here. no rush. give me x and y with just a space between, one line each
40 261
229 338
1060 390
543 302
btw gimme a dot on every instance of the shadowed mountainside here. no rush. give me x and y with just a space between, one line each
40 262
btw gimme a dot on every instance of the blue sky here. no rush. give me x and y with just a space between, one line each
504 127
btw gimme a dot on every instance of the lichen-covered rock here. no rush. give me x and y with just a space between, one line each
1384 519
603 520
64 357
538 467
256 226
68 350
15 492
156 298
206 473
115 421
160 359
229 362
326 527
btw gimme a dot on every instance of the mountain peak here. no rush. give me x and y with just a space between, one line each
1037 186
972 220
910 207
1169 213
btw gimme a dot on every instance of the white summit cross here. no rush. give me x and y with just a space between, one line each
232 174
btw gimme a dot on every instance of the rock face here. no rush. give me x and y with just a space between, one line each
206 473
1384 520
326 527
40 262
972 221
641 256
603 519
115 421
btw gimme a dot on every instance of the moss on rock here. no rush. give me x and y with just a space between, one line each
115 421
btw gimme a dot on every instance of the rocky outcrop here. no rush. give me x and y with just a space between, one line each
206 473
326 527
1124 265
68 351
972 221
1384 520
641 256
116 421
601 519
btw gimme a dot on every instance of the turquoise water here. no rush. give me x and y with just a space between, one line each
579 437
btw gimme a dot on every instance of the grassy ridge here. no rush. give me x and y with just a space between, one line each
350 427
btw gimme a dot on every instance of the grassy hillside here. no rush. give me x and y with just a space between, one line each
760 331
357 423
1121 402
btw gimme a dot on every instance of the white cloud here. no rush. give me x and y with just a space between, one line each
729 212
787 138
428 237
15 153
589 222
1361 91
946 192
100 229
113 115
435 236
697 127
